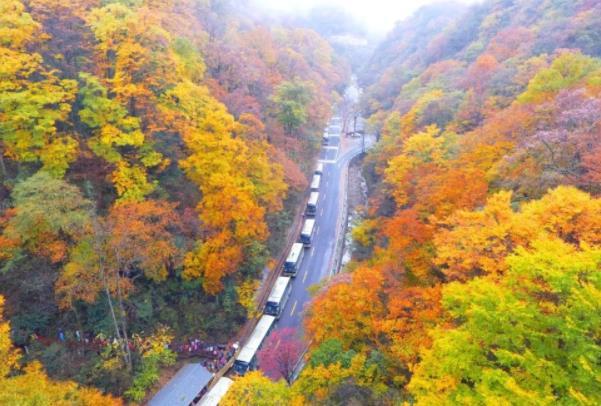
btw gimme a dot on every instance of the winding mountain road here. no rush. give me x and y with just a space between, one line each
319 260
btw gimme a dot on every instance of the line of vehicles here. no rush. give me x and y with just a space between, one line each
246 359
280 293
217 392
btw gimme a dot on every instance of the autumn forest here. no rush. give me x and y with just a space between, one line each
156 155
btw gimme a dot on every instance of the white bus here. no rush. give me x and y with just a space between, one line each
294 259
318 168
216 393
312 204
278 297
307 232
315 183
335 129
247 358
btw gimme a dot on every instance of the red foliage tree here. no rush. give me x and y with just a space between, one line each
480 72
280 354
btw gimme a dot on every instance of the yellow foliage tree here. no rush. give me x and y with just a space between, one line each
33 100
237 182
257 390
246 296
428 147
408 121
472 243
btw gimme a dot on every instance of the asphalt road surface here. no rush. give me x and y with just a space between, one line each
318 260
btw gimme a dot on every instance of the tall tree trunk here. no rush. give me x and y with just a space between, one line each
114 317
3 166
124 324
99 233
80 329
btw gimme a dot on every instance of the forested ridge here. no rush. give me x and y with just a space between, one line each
476 273
153 154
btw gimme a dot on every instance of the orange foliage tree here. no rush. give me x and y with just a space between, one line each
134 238
347 310
237 183
469 244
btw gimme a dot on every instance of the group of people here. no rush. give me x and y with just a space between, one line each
214 356
77 341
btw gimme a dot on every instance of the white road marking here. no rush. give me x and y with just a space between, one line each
305 277
324 195
321 212
311 252
293 308
327 161
316 231
330 147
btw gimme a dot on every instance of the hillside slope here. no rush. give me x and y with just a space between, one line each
480 267
152 156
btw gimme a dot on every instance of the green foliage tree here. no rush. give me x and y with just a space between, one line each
330 352
291 100
567 69
117 138
30 385
531 336
50 215
154 354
